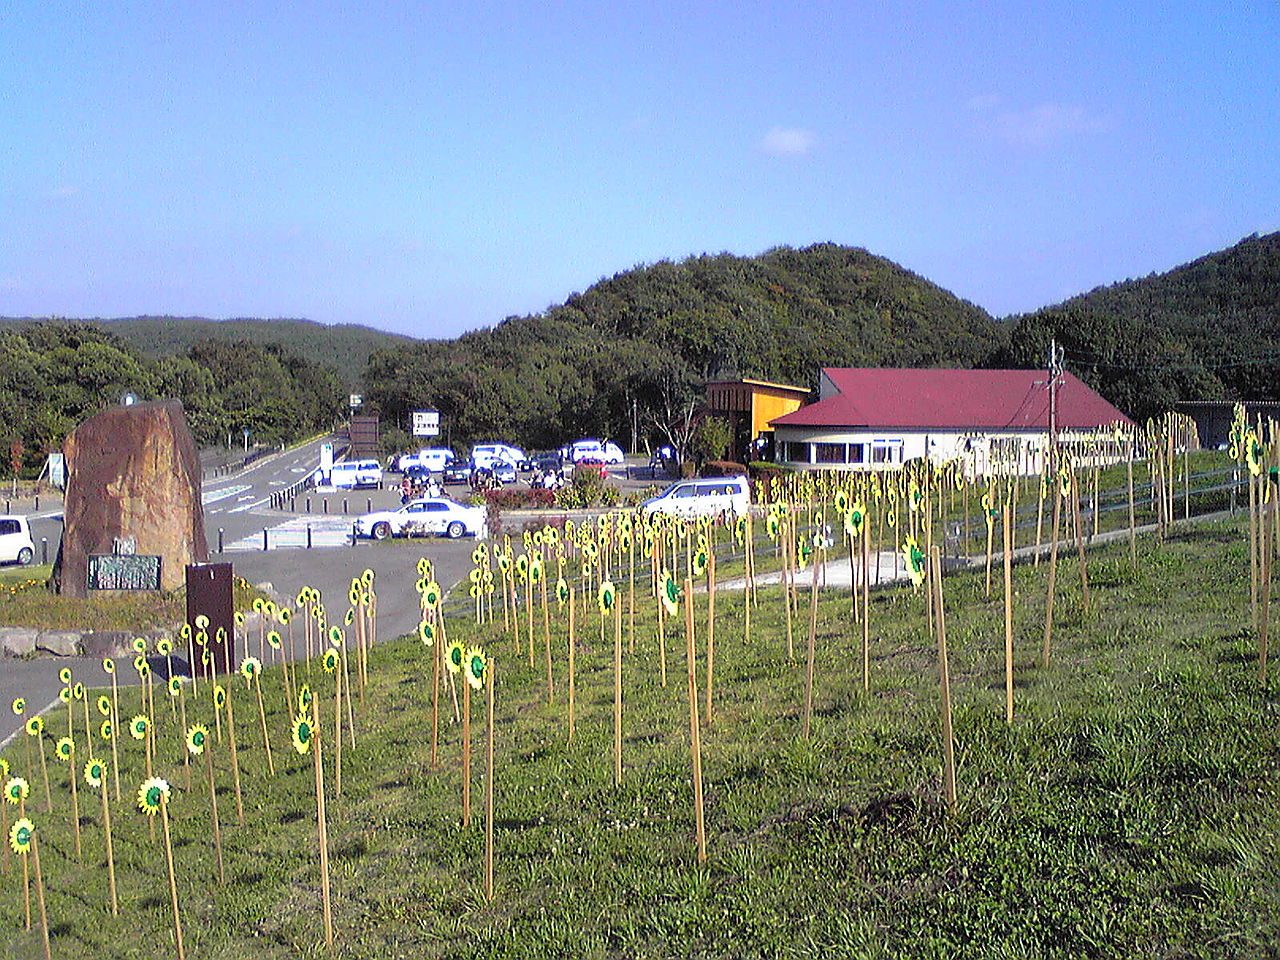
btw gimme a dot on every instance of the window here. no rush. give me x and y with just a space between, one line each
796 452
886 451
857 453
9 526
829 453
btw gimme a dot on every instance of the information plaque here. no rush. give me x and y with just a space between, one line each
124 571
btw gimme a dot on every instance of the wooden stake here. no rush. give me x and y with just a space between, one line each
1053 575
213 811
44 916
488 782
944 670
866 603
173 883
235 759
322 826
572 642
617 693
1008 614
711 626
695 738
111 858
812 645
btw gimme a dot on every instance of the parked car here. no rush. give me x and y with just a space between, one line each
457 470
16 545
504 472
350 474
590 449
429 516
548 463
702 498
487 454
432 458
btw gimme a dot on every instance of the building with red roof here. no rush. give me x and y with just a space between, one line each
997 420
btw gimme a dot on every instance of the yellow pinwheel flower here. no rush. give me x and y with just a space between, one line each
915 560
454 656
65 675
607 595
197 739
330 660
475 667
273 639
152 795
94 772
139 726
302 732
35 726
219 696
65 748
142 667
175 687
139 645
104 706
16 790
304 698
669 593
250 667
20 835
106 731
164 646
562 591
19 706
426 633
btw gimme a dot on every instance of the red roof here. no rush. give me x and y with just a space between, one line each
954 399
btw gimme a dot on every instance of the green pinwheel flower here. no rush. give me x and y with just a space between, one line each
139 645
105 732
535 568
607 595
175 687
455 653
139 726
273 639
20 835
336 637
35 726
19 706
475 667
65 748
65 675
77 692
219 696
562 591
16 790
283 617
855 518
350 616
94 772
700 561
108 666
197 739
431 595
426 633
1254 453
330 660
669 593
201 622
304 698
250 667
64 695
144 669
915 560
104 706
302 733
153 794
164 646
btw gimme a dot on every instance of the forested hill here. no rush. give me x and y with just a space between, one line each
629 353
1209 329
344 347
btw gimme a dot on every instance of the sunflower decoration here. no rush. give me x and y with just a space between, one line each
65 676
431 595
175 687
239 618
197 739
475 667
804 551
504 562
479 555
336 637
94 773
16 789
773 525
669 593
283 616
19 706
1064 481
104 706
108 666
350 616
330 660
353 595
219 696
164 646
201 622
35 726
269 610
522 566
139 726
20 835
1254 453
184 632
855 518
426 633
105 731
65 748
257 604
250 667
139 645
562 591
700 558
891 518
64 695
606 596
305 697
302 732
535 568
142 667
455 654
152 795
77 691
915 560
914 495
273 636
219 635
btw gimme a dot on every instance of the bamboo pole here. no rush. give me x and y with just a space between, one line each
1008 613
490 680
695 737
944 670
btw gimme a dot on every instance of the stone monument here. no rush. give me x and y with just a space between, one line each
133 517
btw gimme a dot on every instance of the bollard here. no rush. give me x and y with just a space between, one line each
220 536
44 549
345 508
308 536
264 539
308 504
353 536
37 510
325 504
368 504
293 504
8 506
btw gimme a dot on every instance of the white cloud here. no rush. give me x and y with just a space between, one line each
787 142
1039 127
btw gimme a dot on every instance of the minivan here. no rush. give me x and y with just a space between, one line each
702 498
432 458
16 545
350 474
487 454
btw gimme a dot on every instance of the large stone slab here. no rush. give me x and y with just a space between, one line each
61 643
133 476
18 641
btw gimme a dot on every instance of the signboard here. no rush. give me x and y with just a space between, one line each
426 423
326 458
57 466
124 571
211 651
354 400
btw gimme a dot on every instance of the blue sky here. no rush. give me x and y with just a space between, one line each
432 167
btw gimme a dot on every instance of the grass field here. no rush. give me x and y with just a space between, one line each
1129 811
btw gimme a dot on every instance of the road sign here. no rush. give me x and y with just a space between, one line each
426 423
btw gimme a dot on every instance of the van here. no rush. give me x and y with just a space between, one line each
16 545
593 450
350 474
485 455
432 458
702 498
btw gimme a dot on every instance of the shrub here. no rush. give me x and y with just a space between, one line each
723 468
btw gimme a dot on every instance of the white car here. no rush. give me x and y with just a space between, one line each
433 458
702 498
350 475
589 449
429 516
487 454
16 545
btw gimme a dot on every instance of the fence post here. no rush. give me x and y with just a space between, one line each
220 534
265 545
44 549
308 536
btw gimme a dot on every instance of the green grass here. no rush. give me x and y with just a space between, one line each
1130 810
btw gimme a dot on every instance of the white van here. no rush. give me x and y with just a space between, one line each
591 449
432 458
16 545
702 498
485 455
350 474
